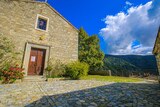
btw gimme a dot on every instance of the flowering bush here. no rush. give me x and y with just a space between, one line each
13 73
9 57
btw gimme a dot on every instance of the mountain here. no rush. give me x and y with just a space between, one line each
126 64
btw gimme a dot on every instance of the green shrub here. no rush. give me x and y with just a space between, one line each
55 69
75 70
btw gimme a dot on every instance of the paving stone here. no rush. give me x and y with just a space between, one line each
128 105
82 101
78 103
79 93
94 104
102 100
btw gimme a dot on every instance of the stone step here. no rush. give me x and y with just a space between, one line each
34 79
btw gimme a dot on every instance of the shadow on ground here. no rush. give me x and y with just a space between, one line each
113 95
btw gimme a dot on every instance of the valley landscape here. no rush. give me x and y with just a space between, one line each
122 65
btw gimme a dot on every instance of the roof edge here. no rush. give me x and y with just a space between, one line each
54 11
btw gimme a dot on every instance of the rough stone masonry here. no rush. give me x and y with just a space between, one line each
18 20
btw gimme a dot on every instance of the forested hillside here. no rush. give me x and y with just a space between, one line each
126 64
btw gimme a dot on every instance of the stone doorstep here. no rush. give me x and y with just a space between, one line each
30 79
16 82
34 79
54 79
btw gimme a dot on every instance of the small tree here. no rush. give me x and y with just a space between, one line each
94 55
8 56
89 51
83 36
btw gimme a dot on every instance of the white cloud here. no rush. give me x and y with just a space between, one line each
140 49
138 23
128 3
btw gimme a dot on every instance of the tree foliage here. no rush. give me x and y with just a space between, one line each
89 50
8 56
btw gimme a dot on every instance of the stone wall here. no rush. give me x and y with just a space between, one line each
158 65
158 62
156 50
17 22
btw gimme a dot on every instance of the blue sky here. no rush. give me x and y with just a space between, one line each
124 27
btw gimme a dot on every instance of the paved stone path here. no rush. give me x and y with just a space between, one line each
82 93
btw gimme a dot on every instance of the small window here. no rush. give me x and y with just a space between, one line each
42 23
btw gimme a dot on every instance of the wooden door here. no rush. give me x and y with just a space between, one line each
36 62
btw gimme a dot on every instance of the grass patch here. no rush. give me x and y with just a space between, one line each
111 78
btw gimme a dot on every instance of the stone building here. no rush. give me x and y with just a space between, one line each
39 33
156 51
